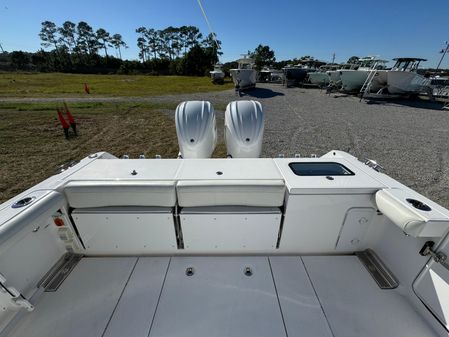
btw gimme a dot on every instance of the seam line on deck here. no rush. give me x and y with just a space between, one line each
317 297
120 297
277 296
159 298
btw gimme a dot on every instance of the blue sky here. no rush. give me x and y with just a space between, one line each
292 28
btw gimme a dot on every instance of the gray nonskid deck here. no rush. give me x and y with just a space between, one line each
284 296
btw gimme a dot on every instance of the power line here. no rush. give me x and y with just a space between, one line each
208 23
444 51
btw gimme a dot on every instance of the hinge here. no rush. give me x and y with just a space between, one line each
10 296
438 257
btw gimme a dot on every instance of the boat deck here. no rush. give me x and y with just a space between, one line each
226 296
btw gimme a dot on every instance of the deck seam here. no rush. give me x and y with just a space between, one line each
159 298
317 297
277 296
120 297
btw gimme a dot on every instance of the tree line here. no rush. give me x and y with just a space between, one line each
172 42
79 39
80 48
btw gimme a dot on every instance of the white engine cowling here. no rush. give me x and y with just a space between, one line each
196 129
244 125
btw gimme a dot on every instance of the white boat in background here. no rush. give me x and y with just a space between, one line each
404 79
277 76
321 77
217 75
353 79
270 75
440 86
297 74
294 74
335 75
379 81
245 76
239 246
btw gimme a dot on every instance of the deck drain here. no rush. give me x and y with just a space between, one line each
189 271
247 271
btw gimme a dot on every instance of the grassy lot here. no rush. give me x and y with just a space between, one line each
32 144
72 85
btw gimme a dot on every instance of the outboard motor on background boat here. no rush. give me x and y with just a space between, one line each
244 125
196 129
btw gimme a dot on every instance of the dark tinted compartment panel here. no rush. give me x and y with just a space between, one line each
320 169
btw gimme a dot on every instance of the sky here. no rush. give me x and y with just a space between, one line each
292 28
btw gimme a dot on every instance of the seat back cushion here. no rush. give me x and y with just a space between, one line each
262 193
83 194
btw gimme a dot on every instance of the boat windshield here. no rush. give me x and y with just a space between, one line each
372 62
246 63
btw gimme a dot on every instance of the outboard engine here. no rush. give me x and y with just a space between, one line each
244 125
196 129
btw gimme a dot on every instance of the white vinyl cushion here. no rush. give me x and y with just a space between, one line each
392 203
263 193
120 193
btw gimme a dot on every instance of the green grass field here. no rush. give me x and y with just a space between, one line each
60 85
32 144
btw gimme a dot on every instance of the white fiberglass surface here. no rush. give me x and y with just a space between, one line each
314 296
442 293
355 306
83 304
218 299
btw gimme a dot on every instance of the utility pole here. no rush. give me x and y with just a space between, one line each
443 51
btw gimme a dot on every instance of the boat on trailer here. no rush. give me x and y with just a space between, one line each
217 75
298 74
404 79
335 74
321 77
245 76
270 75
237 246
440 87
353 79
294 74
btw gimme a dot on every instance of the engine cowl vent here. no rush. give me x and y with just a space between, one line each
244 126
196 129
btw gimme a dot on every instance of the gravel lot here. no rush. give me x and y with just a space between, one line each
409 139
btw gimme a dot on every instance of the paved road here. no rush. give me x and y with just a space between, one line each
409 139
